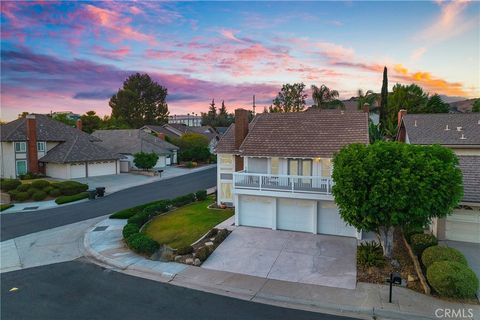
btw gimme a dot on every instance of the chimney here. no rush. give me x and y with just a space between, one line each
79 124
32 155
366 108
401 114
241 131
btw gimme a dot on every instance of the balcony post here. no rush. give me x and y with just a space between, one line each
260 178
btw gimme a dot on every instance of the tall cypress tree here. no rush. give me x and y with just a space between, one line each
384 97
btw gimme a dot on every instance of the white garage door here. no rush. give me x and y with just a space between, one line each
463 225
295 215
330 222
255 211
77 170
101 168
161 162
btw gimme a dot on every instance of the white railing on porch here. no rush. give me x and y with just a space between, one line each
285 183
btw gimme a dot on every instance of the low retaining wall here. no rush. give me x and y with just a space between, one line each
418 268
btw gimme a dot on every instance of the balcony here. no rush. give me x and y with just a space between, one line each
282 183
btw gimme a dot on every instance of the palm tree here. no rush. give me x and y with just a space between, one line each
368 98
324 98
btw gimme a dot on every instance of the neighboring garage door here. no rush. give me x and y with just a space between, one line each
330 222
161 162
77 170
255 211
101 168
295 215
463 225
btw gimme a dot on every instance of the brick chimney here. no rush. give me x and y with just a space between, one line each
79 124
241 131
401 113
32 155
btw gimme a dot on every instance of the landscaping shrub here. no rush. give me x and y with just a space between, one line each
39 195
142 244
183 200
31 191
370 254
125 214
129 229
191 164
452 279
9 184
31 175
440 253
23 187
203 253
221 235
185 250
69 188
19 196
54 192
75 197
212 233
48 189
5 206
139 219
410 231
40 184
422 241
201 195
157 208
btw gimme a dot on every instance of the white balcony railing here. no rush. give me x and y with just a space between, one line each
283 183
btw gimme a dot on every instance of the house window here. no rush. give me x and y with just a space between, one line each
21 167
41 146
20 146
299 167
274 165
226 159
225 191
326 167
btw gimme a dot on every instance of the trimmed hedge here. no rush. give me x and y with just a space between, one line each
440 253
70 188
23 187
19 196
54 192
183 200
139 219
130 212
141 243
129 229
452 279
9 184
157 207
5 206
75 197
185 250
201 195
40 184
39 195
422 241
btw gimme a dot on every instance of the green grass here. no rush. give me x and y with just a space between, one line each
5 206
183 226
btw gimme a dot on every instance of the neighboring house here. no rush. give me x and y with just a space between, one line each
130 141
221 130
461 133
40 144
276 171
175 130
186 119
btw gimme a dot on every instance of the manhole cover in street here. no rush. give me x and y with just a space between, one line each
30 208
101 228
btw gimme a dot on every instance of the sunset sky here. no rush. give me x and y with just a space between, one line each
75 55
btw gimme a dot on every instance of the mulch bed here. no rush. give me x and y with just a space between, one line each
400 253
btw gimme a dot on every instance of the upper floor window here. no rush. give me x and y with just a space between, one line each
226 159
20 146
41 146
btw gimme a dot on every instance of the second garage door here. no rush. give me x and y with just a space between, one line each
463 225
101 168
295 215
255 211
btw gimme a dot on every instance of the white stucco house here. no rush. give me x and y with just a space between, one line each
276 171
127 142
461 133
39 144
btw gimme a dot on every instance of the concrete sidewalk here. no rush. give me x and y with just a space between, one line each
104 244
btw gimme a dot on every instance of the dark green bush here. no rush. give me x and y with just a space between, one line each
23 187
75 197
31 191
48 189
221 235
39 195
54 192
9 184
142 244
203 253
129 229
157 208
185 250
410 231
201 195
183 200
440 253
40 184
69 188
452 279
422 241
5 206
130 212
125 214
19 196
370 254
139 219
212 233
31 175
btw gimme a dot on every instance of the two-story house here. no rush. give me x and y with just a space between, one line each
276 171
461 133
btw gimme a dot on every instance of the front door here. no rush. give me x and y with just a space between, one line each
21 167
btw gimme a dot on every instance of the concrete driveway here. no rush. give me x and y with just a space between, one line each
289 256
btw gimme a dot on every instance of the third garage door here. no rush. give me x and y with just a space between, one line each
330 221
295 215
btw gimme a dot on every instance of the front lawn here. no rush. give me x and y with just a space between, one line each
183 226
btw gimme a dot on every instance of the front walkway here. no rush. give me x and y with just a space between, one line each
289 256
104 245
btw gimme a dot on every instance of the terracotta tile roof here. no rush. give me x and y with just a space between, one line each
299 134
470 166
430 128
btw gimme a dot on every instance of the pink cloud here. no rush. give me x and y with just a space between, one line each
229 34
113 54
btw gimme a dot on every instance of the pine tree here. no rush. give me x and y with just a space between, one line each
383 99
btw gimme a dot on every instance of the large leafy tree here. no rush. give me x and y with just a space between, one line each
410 97
144 160
367 98
476 106
291 98
193 147
62 117
325 98
90 121
140 101
435 104
388 184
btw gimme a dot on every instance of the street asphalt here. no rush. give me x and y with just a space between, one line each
21 223
81 290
